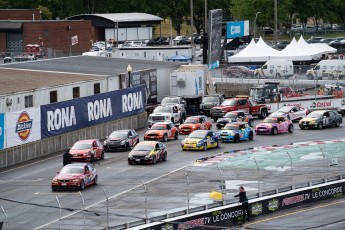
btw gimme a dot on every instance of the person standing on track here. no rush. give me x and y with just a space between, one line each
244 200
67 158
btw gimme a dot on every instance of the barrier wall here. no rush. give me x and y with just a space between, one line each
44 147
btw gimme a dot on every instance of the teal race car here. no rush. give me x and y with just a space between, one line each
236 132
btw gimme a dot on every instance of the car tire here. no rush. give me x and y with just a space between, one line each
165 138
205 147
251 135
95 180
251 123
154 161
291 129
302 127
337 123
127 147
263 114
319 125
236 138
102 155
82 185
176 135
53 189
165 156
274 131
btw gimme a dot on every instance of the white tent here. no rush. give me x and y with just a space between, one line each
252 53
320 48
294 52
261 44
313 50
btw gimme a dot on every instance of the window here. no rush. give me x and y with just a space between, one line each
76 92
96 88
53 96
29 101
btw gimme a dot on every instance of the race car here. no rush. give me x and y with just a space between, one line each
235 116
121 139
294 113
75 176
148 152
162 131
236 132
87 150
321 118
200 140
274 125
194 123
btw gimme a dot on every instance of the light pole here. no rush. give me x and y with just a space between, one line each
129 70
255 22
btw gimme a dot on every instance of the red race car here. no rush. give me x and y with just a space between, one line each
162 131
87 150
77 175
194 123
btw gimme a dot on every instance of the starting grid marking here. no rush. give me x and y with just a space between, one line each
221 157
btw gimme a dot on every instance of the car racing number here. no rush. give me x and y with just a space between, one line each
325 120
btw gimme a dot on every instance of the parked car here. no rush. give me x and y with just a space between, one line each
239 72
314 39
195 123
132 44
162 131
87 150
148 152
294 113
326 40
281 45
268 30
335 85
274 125
236 132
75 176
158 41
235 116
121 140
177 40
321 118
200 140
209 101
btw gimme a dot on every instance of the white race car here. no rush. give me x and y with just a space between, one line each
294 113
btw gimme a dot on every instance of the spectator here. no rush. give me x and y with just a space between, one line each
244 200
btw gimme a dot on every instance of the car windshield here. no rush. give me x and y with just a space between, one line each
143 147
72 170
198 135
230 115
191 120
270 120
232 127
315 115
81 146
229 102
284 109
162 110
170 101
210 99
158 127
118 135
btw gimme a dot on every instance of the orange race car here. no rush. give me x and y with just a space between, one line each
194 123
162 131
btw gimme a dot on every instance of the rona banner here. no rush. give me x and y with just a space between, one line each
83 112
2 130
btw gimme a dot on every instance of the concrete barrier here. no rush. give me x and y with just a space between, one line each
44 147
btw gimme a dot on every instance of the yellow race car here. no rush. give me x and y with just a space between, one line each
200 140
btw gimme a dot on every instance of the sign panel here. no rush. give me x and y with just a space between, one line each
83 112
215 34
2 130
237 29
148 78
22 127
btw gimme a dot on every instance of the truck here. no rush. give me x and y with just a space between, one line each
168 113
277 69
240 102
177 101
330 69
209 101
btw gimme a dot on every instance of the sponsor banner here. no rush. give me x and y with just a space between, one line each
67 116
148 78
214 41
237 29
2 130
22 127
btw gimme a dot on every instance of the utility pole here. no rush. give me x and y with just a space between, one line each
275 22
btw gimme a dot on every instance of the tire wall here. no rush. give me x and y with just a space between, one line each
47 146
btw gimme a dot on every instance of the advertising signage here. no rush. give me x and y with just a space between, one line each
215 34
237 29
67 116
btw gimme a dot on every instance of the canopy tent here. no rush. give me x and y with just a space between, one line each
294 52
318 48
310 49
180 57
261 44
252 53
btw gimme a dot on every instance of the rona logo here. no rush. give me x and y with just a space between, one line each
23 126
132 101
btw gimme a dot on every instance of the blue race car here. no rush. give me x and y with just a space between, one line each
236 132
200 140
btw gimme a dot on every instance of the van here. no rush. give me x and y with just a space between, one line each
132 44
327 69
279 68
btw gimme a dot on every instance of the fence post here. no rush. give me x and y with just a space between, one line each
145 201
221 184
257 166
6 220
106 195
290 166
187 191
82 198
57 199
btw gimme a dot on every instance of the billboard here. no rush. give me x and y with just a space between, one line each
22 126
237 29
148 78
2 130
67 116
215 34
